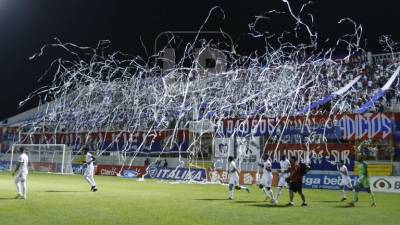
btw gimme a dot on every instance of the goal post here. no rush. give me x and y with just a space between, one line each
50 158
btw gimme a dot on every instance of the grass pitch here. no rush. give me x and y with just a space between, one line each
59 200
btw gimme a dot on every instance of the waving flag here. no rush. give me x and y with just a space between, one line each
329 98
381 92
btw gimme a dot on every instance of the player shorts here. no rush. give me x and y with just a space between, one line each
89 172
296 186
21 177
266 180
345 181
282 180
363 182
234 179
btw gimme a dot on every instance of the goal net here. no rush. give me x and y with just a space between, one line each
50 158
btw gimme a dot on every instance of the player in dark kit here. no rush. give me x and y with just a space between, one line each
295 181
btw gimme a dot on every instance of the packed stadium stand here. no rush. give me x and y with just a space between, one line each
375 135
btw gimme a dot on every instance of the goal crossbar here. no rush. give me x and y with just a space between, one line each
51 158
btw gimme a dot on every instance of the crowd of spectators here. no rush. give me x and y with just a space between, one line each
162 102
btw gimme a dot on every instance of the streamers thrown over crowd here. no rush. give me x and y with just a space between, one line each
95 89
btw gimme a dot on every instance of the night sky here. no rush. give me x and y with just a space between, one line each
26 25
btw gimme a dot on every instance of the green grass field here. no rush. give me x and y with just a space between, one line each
59 200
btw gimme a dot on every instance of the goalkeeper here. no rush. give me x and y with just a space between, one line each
362 182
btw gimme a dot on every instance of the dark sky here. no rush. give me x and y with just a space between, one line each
26 25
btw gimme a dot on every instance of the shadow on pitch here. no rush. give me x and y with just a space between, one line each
212 199
266 205
343 206
327 201
245 201
12 198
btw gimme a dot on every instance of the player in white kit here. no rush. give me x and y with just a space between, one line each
21 172
284 173
345 180
89 172
233 176
266 179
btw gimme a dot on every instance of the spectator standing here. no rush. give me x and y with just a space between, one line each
146 163
165 163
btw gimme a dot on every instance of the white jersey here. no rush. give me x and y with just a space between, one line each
343 171
89 159
22 174
267 168
23 159
285 166
266 179
89 172
345 181
232 170
233 174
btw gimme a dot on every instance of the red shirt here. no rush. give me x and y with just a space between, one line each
295 172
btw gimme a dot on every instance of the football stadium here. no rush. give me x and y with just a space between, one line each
201 133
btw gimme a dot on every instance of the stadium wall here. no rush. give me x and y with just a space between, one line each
343 133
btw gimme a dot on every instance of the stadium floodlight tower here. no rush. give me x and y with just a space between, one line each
50 158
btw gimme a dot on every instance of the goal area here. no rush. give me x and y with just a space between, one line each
49 158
